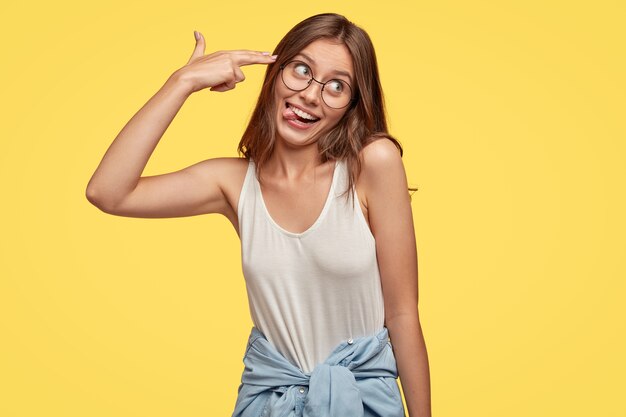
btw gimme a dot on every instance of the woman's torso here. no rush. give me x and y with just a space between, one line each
312 280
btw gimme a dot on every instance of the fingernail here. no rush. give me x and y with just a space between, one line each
274 56
195 34
265 53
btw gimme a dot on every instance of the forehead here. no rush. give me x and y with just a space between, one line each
328 57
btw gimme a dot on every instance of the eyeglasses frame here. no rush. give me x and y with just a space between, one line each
282 67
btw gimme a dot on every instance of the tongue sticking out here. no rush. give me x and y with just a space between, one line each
290 115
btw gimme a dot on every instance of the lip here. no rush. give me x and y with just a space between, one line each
303 109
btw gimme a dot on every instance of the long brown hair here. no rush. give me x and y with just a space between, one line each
363 122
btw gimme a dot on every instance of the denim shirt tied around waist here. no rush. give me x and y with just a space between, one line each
357 379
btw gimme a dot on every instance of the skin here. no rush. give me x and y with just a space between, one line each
391 221
296 182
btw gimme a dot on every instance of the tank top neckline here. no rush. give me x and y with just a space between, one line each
316 223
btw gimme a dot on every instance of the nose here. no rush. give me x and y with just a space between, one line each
313 93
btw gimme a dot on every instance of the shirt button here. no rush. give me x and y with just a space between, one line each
350 341
301 390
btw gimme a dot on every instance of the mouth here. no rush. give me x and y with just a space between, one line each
297 114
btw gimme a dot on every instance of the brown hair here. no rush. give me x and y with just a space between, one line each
363 122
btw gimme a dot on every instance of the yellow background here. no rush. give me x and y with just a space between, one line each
512 119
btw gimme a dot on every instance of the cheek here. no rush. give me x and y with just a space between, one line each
336 117
281 91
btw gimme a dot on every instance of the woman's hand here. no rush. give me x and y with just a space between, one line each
220 70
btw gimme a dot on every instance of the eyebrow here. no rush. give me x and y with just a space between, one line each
339 72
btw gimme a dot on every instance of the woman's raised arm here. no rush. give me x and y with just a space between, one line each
117 187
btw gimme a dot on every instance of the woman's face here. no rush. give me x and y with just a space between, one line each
327 60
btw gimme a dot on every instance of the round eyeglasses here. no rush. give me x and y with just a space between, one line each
297 76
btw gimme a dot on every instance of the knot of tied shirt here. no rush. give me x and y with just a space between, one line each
333 390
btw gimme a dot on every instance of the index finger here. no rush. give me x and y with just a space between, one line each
253 57
247 51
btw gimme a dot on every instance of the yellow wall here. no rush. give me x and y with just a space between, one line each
512 119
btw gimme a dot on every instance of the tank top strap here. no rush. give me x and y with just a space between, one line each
246 199
342 185
351 205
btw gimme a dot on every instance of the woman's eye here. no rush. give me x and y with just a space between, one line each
336 86
302 69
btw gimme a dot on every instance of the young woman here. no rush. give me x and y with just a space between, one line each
320 203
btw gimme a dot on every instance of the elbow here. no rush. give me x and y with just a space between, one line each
90 193
96 199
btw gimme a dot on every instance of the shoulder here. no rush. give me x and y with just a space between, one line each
382 169
381 160
379 152
226 170
229 174
232 172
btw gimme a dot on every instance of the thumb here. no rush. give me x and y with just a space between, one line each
200 46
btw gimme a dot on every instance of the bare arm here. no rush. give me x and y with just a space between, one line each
117 187
391 220
119 171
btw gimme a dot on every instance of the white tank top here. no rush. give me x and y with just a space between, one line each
309 291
